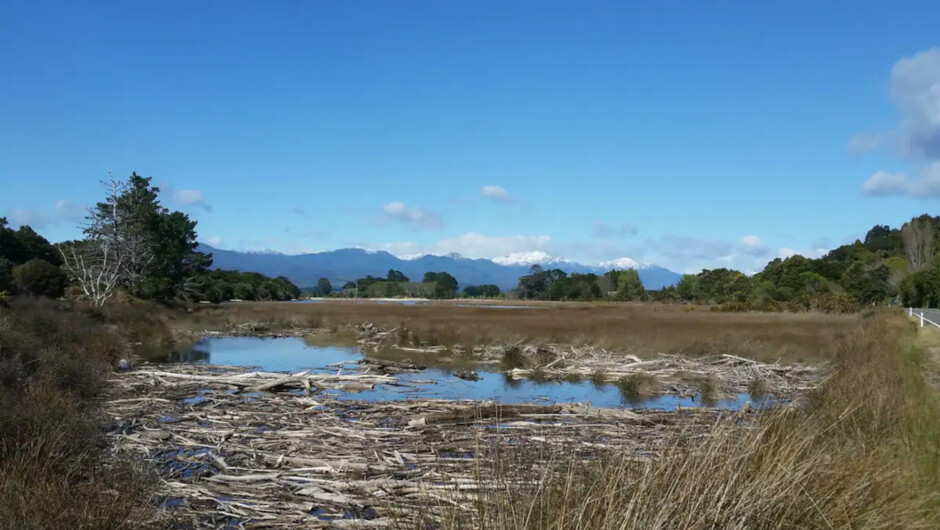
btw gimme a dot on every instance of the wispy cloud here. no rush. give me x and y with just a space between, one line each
603 230
496 194
915 86
867 142
63 211
196 198
755 246
887 184
415 217
33 218
69 211
786 252
915 89
212 241
471 245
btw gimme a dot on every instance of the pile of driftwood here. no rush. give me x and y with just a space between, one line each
264 450
675 374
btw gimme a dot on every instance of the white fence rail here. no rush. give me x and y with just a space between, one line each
919 314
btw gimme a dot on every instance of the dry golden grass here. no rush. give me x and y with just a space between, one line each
53 470
862 453
634 328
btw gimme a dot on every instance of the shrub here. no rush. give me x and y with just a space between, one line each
40 278
53 364
6 275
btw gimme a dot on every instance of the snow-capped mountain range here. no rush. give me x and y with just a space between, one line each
340 266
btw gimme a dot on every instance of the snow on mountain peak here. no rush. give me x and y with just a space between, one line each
535 257
621 264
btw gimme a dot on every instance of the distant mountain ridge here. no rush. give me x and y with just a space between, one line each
340 266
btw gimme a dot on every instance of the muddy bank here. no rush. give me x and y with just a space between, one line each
234 448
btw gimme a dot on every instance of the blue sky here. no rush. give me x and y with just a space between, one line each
689 134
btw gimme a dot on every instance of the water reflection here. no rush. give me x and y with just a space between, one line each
294 354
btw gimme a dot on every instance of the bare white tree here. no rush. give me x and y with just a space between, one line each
114 252
96 266
918 236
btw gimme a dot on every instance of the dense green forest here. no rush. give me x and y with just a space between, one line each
891 265
131 245
29 263
435 285
555 284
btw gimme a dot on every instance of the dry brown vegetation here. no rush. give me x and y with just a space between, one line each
864 452
53 467
861 451
627 328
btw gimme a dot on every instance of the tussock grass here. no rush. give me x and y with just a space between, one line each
635 328
709 390
861 453
513 358
757 389
53 364
638 386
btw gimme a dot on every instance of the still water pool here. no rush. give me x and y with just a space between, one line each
293 355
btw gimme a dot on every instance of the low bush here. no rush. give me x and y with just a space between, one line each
53 470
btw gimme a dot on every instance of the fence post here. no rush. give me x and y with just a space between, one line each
910 311
921 319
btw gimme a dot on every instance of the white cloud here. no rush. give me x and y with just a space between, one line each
752 242
866 142
786 252
915 89
416 218
192 198
68 210
602 230
212 241
754 246
885 184
62 211
33 218
915 86
496 194
471 245
928 186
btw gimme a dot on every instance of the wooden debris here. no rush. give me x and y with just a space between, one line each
285 460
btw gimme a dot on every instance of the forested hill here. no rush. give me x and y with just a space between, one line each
340 266
889 265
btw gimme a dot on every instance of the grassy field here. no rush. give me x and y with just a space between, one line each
864 452
628 328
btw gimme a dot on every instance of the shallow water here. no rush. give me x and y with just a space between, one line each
293 355
268 354
498 306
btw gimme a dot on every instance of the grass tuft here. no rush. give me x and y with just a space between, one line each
757 389
709 390
638 386
862 452
513 358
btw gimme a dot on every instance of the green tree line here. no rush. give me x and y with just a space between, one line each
131 244
557 285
